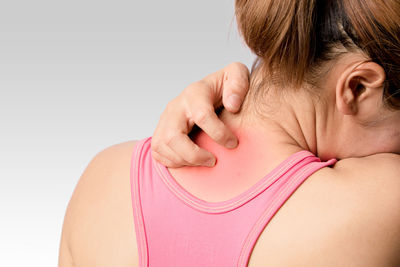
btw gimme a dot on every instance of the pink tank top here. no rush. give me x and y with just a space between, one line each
175 229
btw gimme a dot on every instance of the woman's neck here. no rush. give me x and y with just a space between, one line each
265 141
263 144
287 124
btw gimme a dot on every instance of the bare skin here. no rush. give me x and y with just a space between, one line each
348 215
359 225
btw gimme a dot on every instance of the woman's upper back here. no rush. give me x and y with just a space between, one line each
348 214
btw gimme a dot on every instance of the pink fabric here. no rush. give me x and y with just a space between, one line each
175 228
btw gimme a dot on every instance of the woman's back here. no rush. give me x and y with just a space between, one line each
323 81
347 215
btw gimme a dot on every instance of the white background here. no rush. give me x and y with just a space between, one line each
79 76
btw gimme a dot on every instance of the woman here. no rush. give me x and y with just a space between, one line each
337 99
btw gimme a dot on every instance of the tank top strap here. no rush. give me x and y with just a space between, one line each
287 186
137 165
174 228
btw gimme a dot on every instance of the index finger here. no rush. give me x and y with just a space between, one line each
230 85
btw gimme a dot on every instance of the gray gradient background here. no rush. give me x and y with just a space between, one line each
79 76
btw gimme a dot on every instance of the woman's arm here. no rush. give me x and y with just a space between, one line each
98 228
171 145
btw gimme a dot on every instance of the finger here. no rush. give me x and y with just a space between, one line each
208 121
192 153
202 113
166 155
164 161
163 147
235 86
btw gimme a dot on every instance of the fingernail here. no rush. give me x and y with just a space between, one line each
231 143
234 101
210 162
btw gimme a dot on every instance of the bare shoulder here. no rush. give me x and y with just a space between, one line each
98 225
382 169
370 198
377 176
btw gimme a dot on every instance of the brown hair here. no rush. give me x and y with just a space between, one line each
293 38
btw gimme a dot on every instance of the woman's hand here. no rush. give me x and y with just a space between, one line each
170 142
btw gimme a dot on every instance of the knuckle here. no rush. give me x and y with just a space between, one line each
170 104
155 145
165 162
201 83
236 64
157 157
201 115
239 66
193 156
172 165
161 159
181 163
192 88
238 83
196 149
171 139
239 74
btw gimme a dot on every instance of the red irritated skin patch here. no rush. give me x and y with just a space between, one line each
235 171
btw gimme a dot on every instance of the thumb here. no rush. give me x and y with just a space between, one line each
235 86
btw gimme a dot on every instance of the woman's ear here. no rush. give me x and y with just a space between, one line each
359 89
